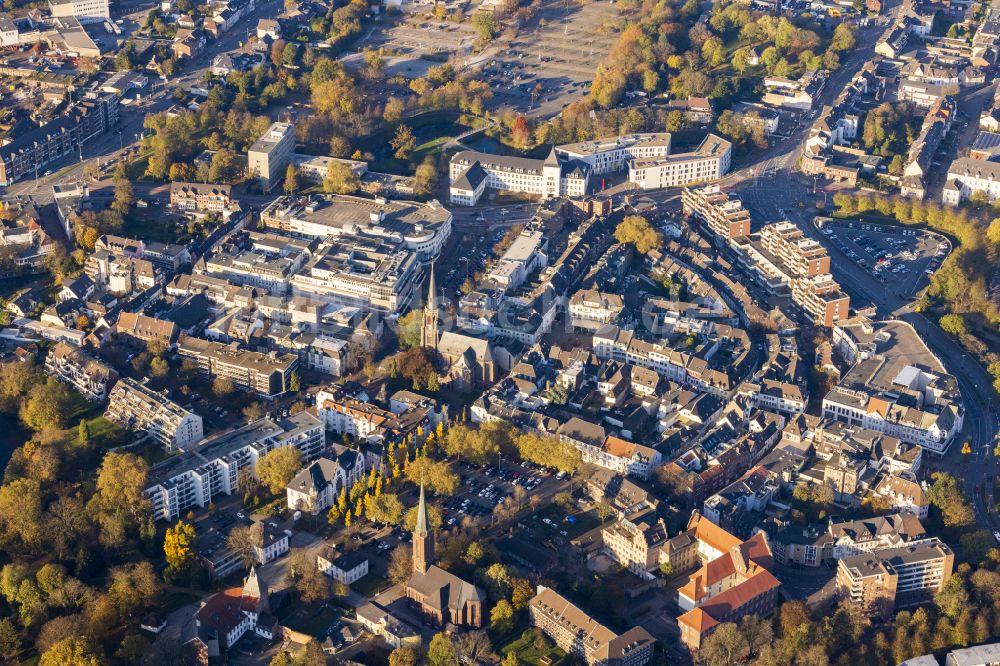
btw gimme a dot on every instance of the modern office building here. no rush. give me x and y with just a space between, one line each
84 11
268 375
269 155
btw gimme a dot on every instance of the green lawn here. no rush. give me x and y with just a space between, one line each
306 619
370 585
524 647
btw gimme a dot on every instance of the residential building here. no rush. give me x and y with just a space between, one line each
635 541
211 469
801 256
73 366
590 309
143 328
904 494
30 151
201 198
316 488
822 298
722 213
380 622
603 156
343 567
893 578
710 160
980 655
582 636
138 408
967 175
268 375
271 153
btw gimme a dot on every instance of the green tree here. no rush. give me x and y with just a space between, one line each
404 656
278 466
441 651
485 25
386 508
340 179
292 185
953 324
403 142
178 545
502 616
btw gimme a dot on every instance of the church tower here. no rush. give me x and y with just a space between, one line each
423 540
429 331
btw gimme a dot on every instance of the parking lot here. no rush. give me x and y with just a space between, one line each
553 61
902 259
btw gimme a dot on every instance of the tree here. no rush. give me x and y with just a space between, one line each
340 179
724 646
21 511
404 656
244 540
441 651
393 111
10 643
667 569
976 544
472 646
946 495
953 324
313 654
132 649
437 476
400 564
603 510
502 616
222 387
409 329
294 382
385 508
292 184
485 25
133 588
403 142
425 177
178 543
311 583
278 467
637 230
72 651
46 405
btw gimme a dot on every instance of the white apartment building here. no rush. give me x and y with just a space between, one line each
895 578
346 415
138 408
590 309
581 635
611 155
471 173
267 375
73 366
272 545
85 11
269 155
709 161
195 477
342 567
967 176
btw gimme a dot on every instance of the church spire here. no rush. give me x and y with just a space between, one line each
429 330
421 527
423 540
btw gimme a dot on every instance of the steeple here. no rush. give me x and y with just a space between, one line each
423 540
552 159
256 588
429 330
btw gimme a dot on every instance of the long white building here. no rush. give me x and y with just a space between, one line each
195 477
568 169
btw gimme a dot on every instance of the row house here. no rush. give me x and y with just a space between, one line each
73 366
